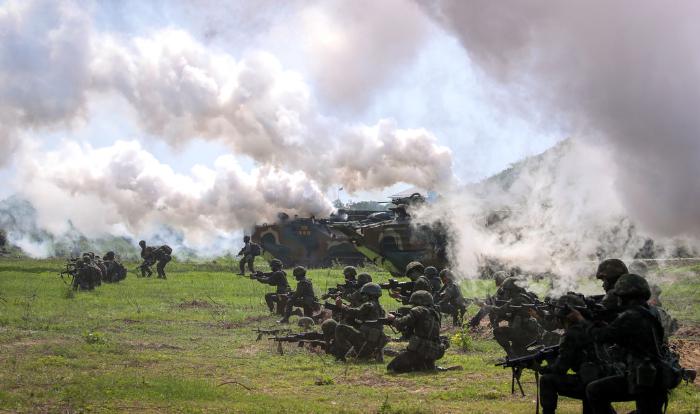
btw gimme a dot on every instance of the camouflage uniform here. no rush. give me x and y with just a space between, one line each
361 332
499 278
576 353
115 270
277 278
249 251
521 328
424 346
355 298
450 299
303 296
638 333
414 271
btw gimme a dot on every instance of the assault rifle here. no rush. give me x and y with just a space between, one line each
276 331
71 270
517 365
404 288
340 289
313 339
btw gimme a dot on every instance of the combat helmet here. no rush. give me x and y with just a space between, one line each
421 298
447 274
500 277
611 269
328 328
299 272
372 290
414 266
632 286
305 322
568 301
511 283
142 243
431 272
350 272
363 279
275 264
246 239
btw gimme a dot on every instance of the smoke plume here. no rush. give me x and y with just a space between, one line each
624 71
54 63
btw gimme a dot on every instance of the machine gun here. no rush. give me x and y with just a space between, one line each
313 339
517 365
71 270
275 331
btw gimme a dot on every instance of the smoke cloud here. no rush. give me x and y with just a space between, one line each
55 63
624 71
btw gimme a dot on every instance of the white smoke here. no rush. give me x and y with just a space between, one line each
623 70
55 63
124 189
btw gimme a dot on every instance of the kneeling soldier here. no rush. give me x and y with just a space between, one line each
362 333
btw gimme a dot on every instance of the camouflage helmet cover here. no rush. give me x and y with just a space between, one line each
350 272
299 272
611 269
364 278
417 266
142 243
328 328
421 298
569 300
447 273
371 289
500 277
632 286
431 271
511 283
276 263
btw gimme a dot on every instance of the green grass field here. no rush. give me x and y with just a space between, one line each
187 345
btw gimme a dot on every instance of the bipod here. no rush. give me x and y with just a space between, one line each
515 379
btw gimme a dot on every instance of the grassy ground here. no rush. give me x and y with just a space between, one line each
187 345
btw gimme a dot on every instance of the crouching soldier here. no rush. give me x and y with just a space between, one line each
424 345
303 297
362 333
278 278
450 299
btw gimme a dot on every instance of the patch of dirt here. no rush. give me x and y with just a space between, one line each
688 331
195 304
154 346
689 351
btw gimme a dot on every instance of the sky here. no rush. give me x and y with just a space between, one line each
211 116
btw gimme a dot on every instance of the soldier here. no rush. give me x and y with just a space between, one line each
498 277
278 278
115 270
88 275
328 328
148 259
160 256
303 297
450 299
249 251
431 273
576 353
521 328
361 333
639 334
355 298
96 273
414 271
424 345
609 271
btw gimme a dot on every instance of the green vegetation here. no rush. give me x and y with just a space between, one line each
187 345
